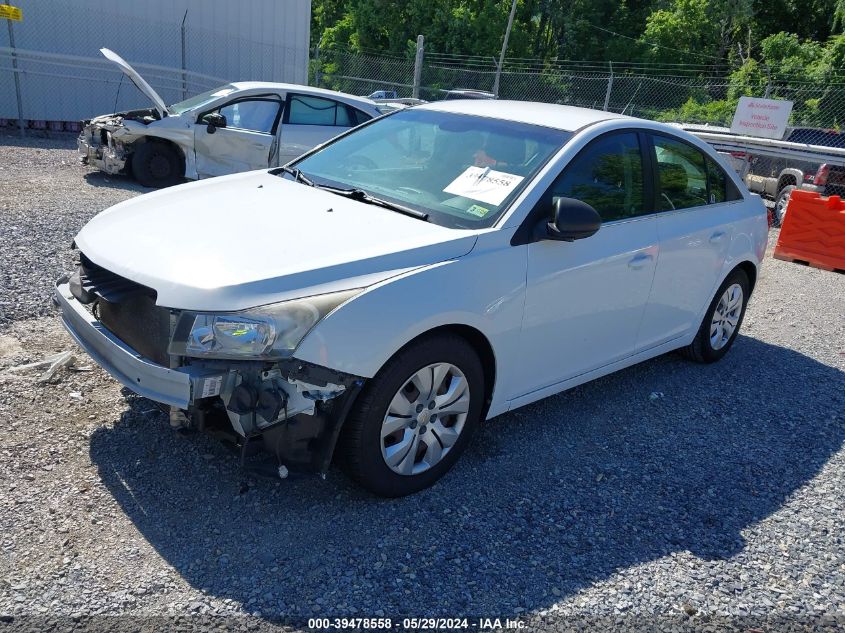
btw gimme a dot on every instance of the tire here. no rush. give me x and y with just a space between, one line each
780 204
366 449
157 165
702 349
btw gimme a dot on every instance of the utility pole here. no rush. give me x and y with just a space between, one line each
418 62
609 87
16 73
184 66
504 50
318 70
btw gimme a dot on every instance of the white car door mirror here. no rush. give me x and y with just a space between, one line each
571 220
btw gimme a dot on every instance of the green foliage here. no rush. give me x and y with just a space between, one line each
713 112
729 47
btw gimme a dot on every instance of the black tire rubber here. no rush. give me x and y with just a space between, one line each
157 165
700 350
784 193
360 441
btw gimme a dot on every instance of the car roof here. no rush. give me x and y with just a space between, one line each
561 117
309 90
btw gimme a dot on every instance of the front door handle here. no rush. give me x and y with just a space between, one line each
717 237
639 260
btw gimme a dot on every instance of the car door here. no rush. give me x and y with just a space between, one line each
585 299
695 226
310 121
246 142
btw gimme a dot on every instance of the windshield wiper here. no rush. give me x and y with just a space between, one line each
362 196
297 174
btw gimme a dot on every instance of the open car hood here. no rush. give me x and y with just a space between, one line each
136 79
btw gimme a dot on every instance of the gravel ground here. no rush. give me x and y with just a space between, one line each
719 503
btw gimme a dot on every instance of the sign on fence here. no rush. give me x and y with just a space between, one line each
9 12
766 118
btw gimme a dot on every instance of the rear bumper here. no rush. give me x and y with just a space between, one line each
175 387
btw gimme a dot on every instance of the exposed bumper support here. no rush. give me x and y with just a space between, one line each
169 386
106 158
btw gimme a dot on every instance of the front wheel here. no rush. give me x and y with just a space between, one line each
722 320
415 417
157 164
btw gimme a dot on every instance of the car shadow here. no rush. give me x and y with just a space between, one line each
111 181
664 457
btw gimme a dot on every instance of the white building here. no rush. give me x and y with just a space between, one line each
63 77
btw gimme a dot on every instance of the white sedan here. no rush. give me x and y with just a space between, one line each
237 127
434 268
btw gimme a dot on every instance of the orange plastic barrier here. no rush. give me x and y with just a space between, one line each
813 231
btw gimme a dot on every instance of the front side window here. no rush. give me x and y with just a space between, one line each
682 175
462 170
304 110
254 115
607 175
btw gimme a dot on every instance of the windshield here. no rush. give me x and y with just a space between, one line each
201 99
462 170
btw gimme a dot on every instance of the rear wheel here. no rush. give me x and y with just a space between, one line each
781 202
156 165
415 417
722 320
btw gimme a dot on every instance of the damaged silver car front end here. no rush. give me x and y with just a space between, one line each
104 140
292 409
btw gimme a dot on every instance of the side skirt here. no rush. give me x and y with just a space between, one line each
551 390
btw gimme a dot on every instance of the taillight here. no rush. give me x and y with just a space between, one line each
822 174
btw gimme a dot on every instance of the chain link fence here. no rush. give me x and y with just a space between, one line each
660 93
699 100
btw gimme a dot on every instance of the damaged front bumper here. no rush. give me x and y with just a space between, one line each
295 408
98 148
175 387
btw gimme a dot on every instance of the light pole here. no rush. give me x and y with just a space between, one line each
504 49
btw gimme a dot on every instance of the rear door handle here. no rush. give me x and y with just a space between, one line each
717 237
639 260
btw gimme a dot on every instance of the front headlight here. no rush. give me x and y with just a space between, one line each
269 331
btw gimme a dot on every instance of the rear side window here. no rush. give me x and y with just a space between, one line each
607 175
681 175
722 188
304 110
688 178
358 117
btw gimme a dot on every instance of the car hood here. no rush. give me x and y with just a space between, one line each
136 79
244 240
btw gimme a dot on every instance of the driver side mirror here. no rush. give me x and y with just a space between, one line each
214 120
571 220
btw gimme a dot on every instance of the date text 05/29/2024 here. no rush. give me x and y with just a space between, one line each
415 624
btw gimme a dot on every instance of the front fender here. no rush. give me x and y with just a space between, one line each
483 290
180 132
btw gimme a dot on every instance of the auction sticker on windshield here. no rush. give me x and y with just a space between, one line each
484 184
